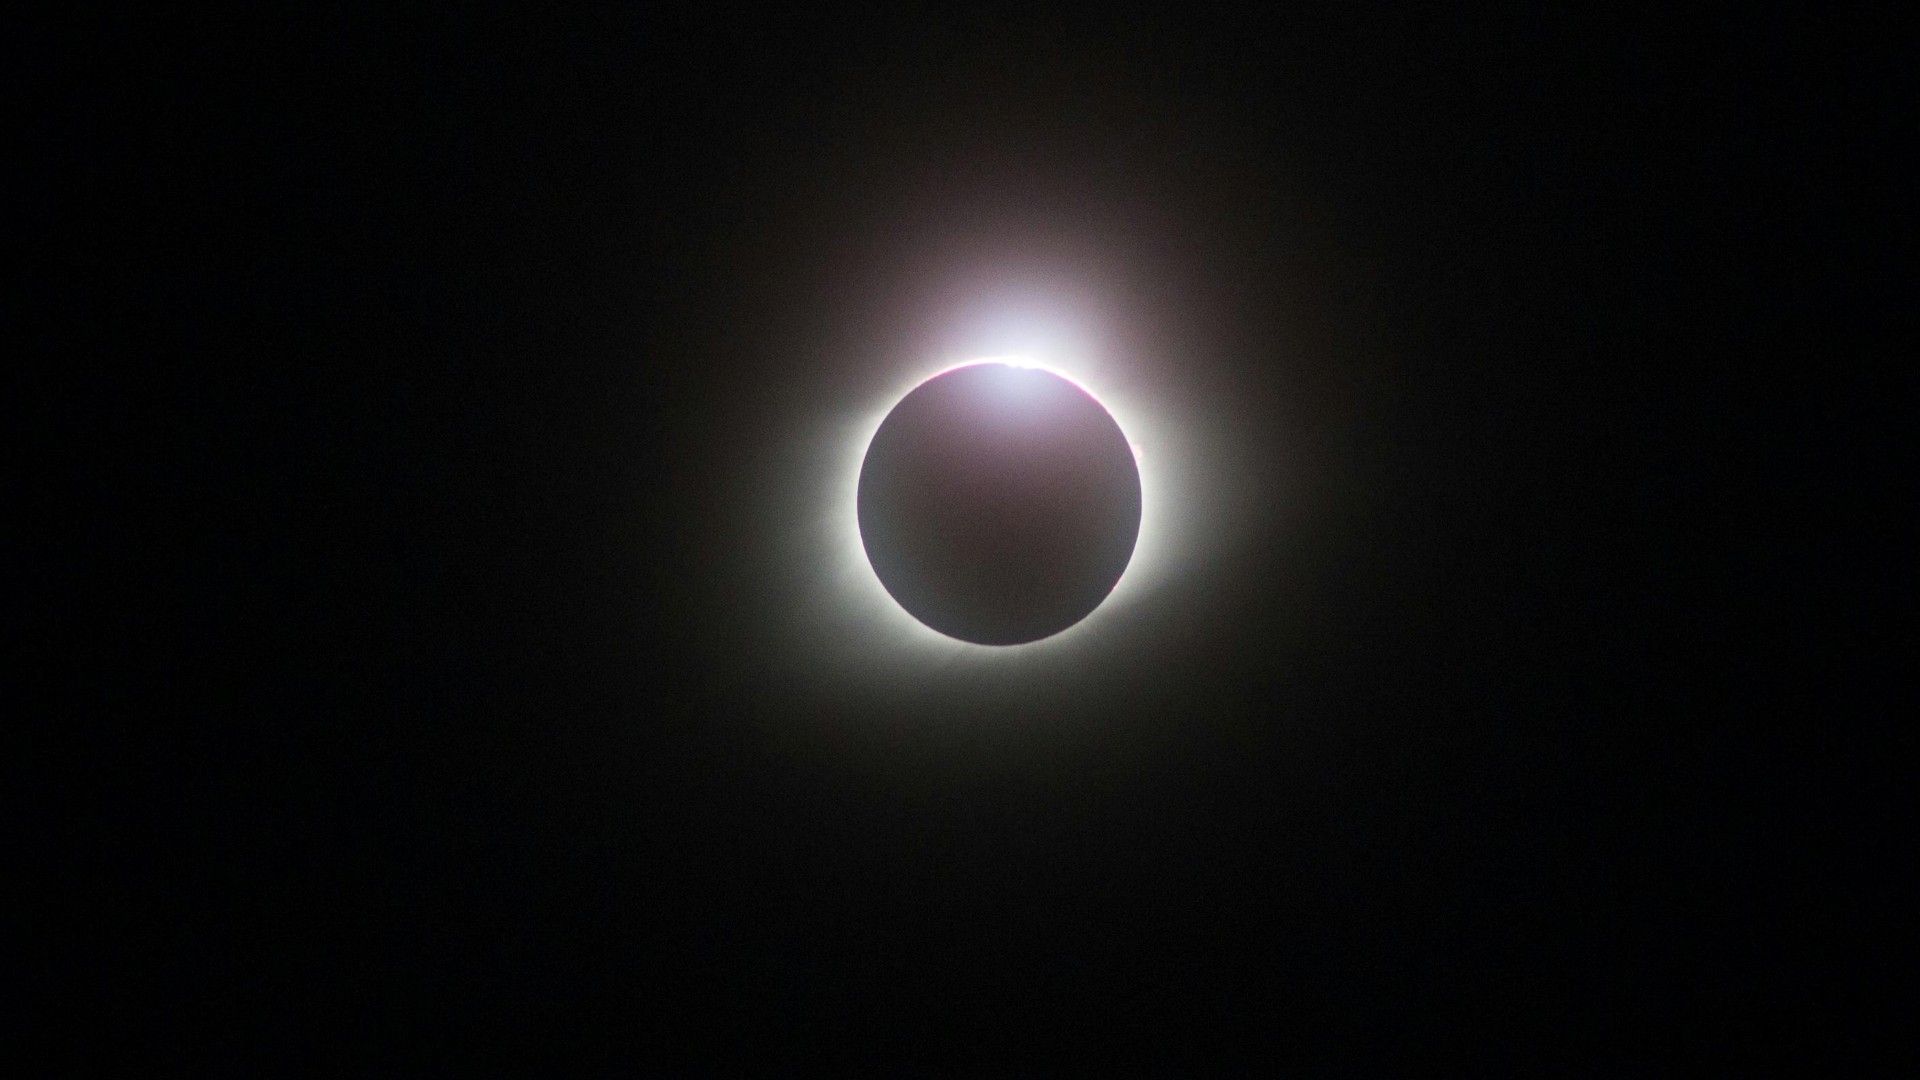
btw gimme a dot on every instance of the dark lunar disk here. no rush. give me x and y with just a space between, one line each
999 504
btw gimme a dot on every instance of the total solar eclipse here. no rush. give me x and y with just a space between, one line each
999 504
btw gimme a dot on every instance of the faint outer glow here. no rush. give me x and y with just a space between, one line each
877 608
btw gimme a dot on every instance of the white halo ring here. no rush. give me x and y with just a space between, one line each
877 607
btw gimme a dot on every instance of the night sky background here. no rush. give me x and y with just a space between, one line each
431 416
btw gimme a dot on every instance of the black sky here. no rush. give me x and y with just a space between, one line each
431 441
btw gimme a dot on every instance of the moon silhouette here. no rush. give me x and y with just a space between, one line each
999 504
